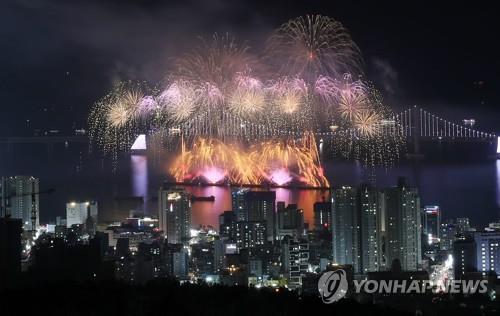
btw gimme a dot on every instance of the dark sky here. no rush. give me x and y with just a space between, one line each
58 57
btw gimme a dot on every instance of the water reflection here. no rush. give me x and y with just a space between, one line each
207 213
457 188
139 164
460 189
498 181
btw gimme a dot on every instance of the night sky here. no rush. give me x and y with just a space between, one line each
58 57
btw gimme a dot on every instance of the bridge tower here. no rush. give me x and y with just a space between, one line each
414 127
416 132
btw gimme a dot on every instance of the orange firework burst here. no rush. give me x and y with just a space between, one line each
313 45
125 108
301 154
209 157
211 153
367 122
351 104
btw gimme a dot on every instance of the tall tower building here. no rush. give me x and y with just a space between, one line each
180 263
322 215
174 214
227 221
370 219
345 227
487 252
290 222
402 224
238 204
260 206
432 224
19 199
250 235
296 261
464 258
463 226
448 232
356 227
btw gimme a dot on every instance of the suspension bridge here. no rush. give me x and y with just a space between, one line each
414 121
424 130
417 125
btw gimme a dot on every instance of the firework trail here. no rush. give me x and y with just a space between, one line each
214 161
213 155
314 45
215 63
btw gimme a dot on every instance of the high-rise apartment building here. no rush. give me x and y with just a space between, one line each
402 226
322 215
296 259
356 226
238 204
260 206
174 214
19 199
370 222
464 258
371 228
290 222
432 224
345 227
487 252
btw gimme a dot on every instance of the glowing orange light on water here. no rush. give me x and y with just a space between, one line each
271 160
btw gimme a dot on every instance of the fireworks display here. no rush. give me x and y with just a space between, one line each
314 46
275 161
247 119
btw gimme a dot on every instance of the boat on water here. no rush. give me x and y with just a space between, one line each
210 198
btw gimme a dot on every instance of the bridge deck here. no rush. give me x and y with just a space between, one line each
43 139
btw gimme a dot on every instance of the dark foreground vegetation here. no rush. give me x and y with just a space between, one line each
167 297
